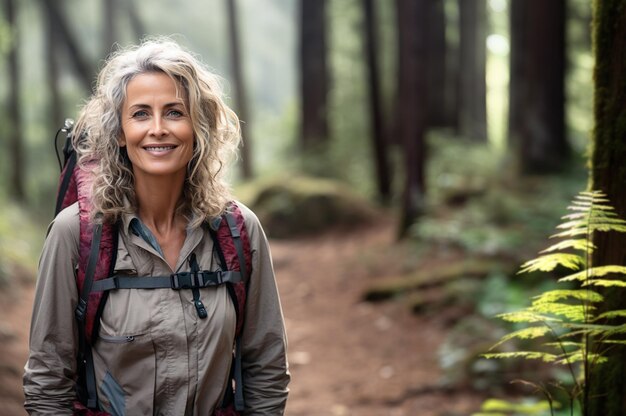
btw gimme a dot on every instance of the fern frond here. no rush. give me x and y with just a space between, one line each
580 244
620 313
576 313
598 223
592 272
579 356
613 341
549 262
494 406
529 355
605 283
526 316
565 344
525 333
556 295
606 227
595 330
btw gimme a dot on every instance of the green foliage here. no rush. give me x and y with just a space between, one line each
19 244
559 317
495 407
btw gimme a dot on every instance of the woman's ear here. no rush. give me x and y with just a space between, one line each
121 141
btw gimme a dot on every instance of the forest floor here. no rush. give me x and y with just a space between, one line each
347 356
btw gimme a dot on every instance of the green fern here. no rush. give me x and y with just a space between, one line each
566 319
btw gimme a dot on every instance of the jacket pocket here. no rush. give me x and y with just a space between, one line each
114 394
118 339
126 373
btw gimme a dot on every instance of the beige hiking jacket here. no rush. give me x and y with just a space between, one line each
155 356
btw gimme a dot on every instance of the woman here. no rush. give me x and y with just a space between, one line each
159 134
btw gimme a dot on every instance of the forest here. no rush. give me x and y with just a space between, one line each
441 182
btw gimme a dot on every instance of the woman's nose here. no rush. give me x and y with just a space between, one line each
159 128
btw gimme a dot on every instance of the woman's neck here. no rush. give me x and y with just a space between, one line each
157 200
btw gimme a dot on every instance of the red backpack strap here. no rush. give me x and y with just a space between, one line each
96 257
232 237
96 253
234 243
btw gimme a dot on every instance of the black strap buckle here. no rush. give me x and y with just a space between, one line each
81 310
185 280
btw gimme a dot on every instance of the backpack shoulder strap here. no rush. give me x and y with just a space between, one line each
96 252
235 254
234 243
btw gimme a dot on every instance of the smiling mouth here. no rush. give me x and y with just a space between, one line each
159 148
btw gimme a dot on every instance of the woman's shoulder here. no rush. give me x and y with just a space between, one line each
66 225
253 225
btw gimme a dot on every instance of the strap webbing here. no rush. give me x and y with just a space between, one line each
234 232
177 281
65 183
80 313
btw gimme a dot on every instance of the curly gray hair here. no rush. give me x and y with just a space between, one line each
215 126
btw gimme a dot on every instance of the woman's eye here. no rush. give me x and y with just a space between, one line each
175 113
140 113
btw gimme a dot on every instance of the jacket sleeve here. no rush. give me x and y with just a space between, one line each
264 343
51 366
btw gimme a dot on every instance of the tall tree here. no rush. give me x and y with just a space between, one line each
378 131
241 101
439 108
82 66
52 73
472 88
108 26
314 82
608 174
411 110
136 23
537 86
16 152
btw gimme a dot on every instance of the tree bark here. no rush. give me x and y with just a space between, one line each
537 87
608 173
379 137
440 110
411 111
313 75
241 101
139 28
108 26
16 140
81 65
472 115
52 74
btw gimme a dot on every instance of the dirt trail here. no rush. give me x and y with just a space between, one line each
347 357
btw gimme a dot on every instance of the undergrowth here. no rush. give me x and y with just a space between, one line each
564 323
21 238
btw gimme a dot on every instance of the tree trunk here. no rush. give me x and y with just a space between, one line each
440 112
241 102
81 64
313 75
16 140
135 21
537 95
108 26
607 395
411 111
378 131
52 74
472 115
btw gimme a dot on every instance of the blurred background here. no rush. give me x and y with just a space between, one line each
405 157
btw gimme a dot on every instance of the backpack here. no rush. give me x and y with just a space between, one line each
97 252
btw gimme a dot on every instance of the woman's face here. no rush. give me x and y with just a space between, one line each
156 127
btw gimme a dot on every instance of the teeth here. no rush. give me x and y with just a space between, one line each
159 148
